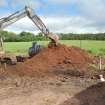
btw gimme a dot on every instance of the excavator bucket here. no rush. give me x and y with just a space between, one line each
54 38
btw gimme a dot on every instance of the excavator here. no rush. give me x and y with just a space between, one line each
28 11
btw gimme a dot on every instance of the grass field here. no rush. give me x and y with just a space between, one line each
95 47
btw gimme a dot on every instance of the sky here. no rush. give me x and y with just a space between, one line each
60 16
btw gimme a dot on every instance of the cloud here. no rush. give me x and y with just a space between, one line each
25 24
57 24
3 3
93 10
32 3
89 18
62 2
69 24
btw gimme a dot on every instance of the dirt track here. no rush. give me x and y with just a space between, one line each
49 89
43 91
94 95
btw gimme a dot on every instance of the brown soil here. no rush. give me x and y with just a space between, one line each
60 57
60 60
94 95
52 83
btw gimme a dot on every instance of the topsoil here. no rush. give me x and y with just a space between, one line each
94 95
58 60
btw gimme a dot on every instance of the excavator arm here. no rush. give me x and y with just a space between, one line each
36 20
4 22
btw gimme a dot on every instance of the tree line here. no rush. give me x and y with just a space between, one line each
27 36
89 36
21 37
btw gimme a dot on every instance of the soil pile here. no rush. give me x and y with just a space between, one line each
59 57
93 95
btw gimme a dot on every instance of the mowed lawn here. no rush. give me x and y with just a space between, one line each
95 47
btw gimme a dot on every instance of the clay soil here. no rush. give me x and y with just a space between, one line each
56 76
60 60
60 56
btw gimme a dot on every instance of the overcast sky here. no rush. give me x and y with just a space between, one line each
60 16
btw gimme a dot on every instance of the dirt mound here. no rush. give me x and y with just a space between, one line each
93 95
60 57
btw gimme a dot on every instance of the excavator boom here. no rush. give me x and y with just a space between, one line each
27 11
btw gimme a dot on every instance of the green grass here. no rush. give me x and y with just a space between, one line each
95 47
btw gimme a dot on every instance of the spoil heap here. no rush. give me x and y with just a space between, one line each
59 57
93 95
